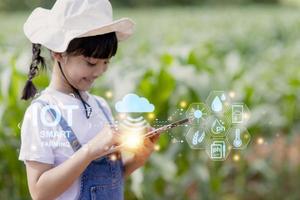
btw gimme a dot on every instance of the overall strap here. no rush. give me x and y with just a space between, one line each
71 137
107 116
105 112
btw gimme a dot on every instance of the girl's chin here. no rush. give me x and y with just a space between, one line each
85 87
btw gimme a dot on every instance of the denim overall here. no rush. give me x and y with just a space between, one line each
103 178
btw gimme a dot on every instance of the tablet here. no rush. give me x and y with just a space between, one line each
153 132
167 127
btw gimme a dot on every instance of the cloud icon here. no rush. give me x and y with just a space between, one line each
132 103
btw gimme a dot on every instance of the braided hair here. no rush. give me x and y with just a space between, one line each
30 90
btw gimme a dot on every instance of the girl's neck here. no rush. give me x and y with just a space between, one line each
59 83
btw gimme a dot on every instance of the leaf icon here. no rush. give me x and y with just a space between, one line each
201 137
195 138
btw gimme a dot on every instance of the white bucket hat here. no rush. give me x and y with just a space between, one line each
69 19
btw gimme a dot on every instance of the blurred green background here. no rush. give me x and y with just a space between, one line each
180 52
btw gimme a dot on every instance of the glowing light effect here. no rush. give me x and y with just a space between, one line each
156 147
260 140
132 132
246 116
183 104
232 94
151 116
236 157
113 157
108 94
132 140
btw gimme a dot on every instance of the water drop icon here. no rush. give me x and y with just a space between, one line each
223 97
216 105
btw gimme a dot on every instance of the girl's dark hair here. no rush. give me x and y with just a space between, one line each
99 46
29 89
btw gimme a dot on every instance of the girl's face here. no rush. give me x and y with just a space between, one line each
82 71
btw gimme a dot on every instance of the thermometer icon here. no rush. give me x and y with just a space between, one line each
237 140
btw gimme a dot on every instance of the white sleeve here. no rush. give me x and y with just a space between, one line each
33 144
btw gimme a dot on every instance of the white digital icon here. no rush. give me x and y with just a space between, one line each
237 113
197 139
218 127
217 105
237 142
218 150
197 112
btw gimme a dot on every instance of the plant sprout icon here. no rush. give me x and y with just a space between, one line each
197 139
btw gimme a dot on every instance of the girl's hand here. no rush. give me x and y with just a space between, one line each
102 142
143 154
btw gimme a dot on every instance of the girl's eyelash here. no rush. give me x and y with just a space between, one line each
91 64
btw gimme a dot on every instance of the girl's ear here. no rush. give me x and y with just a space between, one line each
57 56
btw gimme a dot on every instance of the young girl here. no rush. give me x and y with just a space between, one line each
66 131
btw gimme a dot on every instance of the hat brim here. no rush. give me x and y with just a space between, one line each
36 24
123 27
39 29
